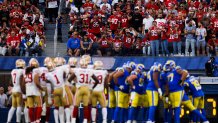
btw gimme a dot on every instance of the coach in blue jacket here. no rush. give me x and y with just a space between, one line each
73 45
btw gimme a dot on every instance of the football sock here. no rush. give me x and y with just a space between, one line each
126 110
104 114
131 115
26 115
61 114
18 114
151 114
75 112
146 111
47 113
67 114
11 113
38 113
165 115
121 114
56 115
170 115
177 111
116 117
198 114
31 114
86 112
93 113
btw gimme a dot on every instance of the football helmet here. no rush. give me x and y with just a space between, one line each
98 65
50 65
131 65
47 60
87 58
33 62
58 61
140 67
170 64
72 61
20 63
157 66
83 63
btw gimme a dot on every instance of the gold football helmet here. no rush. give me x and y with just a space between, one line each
33 62
72 61
50 65
83 63
87 58
47 60
20 63
98 65
58 61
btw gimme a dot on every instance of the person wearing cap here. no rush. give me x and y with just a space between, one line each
212 46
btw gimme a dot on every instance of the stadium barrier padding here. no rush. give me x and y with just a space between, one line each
111 63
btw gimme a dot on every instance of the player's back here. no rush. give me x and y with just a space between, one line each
194 87
16 76
101 75
122 80
150 79
31 88
84 76
56 77
42 72
173 78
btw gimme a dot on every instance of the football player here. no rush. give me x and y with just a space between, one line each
192 85
113 92
17 77
121 111
153 90
176 79
61 65
33 91
42 71
84 77
56 77
98 92
88 60
137 92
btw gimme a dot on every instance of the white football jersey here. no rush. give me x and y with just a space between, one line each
101 75
56 77
15 75
31 88
66 68
84 76
42 72
90 66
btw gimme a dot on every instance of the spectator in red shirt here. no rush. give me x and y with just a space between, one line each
95 25
114 22
117 46
13 43
153 33
105 45
128 41
212 46
138 46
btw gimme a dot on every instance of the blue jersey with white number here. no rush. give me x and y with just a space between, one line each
138 87
122 80
151 86
173 80
194 86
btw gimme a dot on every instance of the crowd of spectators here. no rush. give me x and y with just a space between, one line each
143 27
21 28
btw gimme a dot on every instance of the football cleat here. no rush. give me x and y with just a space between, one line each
20 63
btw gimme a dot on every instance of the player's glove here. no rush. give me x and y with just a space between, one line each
160 92
24 96
49 100
167 99
121 87
43 93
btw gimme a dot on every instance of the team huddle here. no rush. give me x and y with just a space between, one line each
130 90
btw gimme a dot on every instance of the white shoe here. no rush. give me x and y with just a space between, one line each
104 121
206 122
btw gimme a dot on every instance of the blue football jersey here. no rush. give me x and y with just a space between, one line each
151 86
122 80
194 87
173 78
138 87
